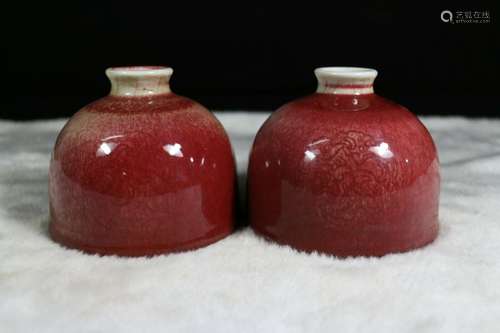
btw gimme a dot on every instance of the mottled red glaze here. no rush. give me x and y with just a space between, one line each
349 175
140 176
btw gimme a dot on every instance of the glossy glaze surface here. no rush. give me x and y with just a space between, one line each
141 175
346 175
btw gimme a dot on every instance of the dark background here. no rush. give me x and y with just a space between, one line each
249 56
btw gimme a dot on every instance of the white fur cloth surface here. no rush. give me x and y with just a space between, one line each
244 283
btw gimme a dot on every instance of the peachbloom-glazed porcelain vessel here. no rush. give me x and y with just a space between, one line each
142 171
344 171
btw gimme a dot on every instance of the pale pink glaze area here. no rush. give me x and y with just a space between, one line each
345 175
140 176
137 68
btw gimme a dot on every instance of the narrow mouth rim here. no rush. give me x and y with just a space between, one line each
139 71
346 72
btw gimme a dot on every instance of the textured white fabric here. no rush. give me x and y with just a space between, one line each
244 283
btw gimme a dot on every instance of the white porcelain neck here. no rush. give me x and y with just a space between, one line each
345 80
139 80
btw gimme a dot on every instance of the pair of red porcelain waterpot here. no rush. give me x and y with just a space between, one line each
144 171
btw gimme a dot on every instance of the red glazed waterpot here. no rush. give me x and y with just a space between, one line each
142 171
344 172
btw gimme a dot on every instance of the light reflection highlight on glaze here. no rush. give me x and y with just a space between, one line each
310 155
105 148
318 142
382 150
174 150
113 137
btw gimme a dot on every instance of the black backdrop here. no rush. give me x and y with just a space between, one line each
249 57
